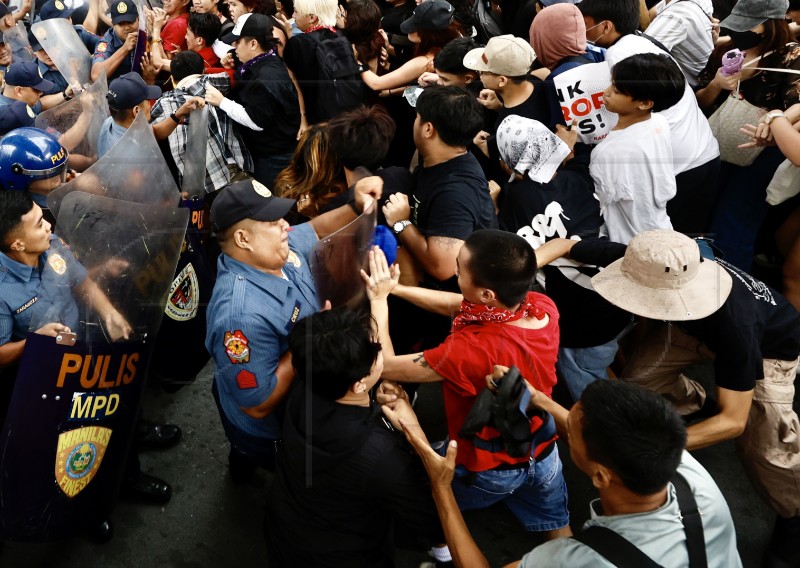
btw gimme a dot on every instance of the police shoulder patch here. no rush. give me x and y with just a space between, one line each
102 47
294 259
57 263
237 346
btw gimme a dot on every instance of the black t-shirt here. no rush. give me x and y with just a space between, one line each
535 107
270 99
565 208
452 199
754 323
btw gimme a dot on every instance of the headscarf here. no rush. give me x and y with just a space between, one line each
528 147
558 31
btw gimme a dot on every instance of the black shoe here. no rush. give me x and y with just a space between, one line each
101 533
152 436
708 410
146 489
242 469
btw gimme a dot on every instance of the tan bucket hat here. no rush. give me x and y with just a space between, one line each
662 276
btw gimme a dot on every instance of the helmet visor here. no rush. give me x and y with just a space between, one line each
58 170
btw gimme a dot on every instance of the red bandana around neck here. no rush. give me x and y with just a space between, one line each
475 313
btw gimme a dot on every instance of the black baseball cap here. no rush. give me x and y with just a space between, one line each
247 200
256 25
430 15
36 45
15 115
123 11
4 10
128 90
55 9
27 74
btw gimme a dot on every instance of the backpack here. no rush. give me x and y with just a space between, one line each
340 86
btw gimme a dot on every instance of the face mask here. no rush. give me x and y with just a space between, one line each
598 37
746 40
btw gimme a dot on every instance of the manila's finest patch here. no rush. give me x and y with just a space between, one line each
246 380
78 457
102 47
237 346
293 259
184 295
57 263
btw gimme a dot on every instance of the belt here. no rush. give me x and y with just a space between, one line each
543 455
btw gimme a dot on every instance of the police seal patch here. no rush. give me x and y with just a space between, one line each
237 347
101 47
122 7
293 259
261 189
78 457
59 5
184 295
57 263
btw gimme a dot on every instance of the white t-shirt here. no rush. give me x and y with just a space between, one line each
693 143
659 534
634 179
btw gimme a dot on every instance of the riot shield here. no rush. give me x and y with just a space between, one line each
76 123
194 160
133 170
62 43
337 260
17 38
72 413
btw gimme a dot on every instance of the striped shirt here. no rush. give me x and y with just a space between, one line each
684 27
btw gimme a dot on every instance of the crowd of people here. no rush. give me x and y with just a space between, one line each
571 193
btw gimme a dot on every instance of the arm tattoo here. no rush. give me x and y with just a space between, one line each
447 242
420 360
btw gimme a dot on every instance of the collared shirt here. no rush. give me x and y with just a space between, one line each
106 47
110 133
32 296
4 101
225 144
249 319
89 39
54 76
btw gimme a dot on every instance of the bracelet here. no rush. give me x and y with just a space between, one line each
156 40
174 117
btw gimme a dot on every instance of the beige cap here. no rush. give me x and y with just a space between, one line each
504 55
662 276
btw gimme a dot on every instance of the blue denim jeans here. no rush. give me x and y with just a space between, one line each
581 366
536 495
741 206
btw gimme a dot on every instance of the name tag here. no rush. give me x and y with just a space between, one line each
294 317
27 305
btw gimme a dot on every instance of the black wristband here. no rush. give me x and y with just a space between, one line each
64 94
174 117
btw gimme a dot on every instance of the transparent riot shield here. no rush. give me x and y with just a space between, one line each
337 260
73 408
194 161
133 170
76 123
17 38
62 43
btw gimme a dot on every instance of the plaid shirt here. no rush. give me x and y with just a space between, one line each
224 143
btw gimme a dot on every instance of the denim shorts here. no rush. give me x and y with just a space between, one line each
536 495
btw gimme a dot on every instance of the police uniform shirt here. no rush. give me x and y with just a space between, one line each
249 319
106 47
89 39
5 101
37 295
55 77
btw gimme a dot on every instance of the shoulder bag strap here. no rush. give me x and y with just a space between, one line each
692 522
615 548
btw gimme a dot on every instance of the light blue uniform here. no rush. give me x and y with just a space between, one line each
249 319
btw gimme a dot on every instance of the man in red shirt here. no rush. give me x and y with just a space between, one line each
498 322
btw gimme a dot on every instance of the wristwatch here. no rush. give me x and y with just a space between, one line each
400 226
772 115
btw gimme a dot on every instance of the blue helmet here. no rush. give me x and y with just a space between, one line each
29 154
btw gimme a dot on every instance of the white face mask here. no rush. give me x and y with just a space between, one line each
593 27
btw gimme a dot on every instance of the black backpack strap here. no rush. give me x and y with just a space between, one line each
615 548
654 41
692 523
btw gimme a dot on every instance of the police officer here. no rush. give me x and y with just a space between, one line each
24 82
57 9
33 161
264 286
47 68
114 52
16 115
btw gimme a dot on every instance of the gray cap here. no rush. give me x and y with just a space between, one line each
747 14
